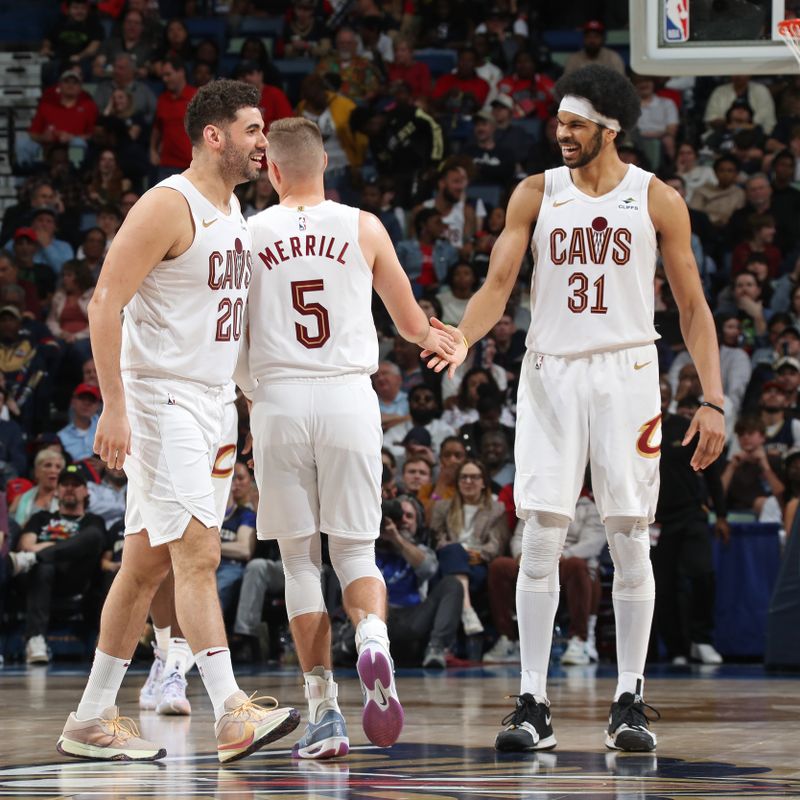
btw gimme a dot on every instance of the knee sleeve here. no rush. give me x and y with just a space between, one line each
302 564
542 543
353 559
629 543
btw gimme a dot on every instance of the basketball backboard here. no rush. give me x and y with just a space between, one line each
710 37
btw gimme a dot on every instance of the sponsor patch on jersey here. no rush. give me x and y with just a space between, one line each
629 204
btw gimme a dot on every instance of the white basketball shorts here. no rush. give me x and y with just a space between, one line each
225 460
604 408
176 429
317 453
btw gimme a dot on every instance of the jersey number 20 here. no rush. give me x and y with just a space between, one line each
323 326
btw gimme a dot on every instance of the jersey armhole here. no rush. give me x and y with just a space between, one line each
191 219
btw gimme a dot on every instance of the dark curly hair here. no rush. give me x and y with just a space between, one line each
612 94
216 103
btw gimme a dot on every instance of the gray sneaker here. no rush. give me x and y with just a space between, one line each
434 657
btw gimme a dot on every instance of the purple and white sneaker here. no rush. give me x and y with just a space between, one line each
383 715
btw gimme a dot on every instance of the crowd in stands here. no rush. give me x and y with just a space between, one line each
431 113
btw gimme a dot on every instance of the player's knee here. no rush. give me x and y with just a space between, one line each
629 544
353 559
542 542
302 566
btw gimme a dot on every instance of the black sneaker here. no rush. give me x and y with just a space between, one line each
628 727
527 727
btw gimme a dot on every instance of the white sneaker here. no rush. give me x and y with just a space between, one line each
680 661
705 653
504 651
591 649
172 696
575 652
471 622
36 651
22 562
148 694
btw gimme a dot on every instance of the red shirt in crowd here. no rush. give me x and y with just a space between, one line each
274 105
416 75
176 149
78 120
532 97
476 86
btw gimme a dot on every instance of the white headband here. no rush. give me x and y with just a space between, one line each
583 108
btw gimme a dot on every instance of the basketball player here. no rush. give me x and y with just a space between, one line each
180 267
316 422
589 385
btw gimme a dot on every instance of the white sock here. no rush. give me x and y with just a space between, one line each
591 627
179 657
320 688
162 637
536 612
101 689
371 627
633 619
214 666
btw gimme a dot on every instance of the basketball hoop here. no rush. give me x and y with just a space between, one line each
789 31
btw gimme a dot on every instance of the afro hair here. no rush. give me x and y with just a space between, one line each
612 94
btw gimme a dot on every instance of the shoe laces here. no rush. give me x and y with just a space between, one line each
173 684
526 708
252 704
633 711
122 727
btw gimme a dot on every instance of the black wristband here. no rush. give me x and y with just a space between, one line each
716 408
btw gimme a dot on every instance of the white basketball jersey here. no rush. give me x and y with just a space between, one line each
185 320
311 299
594 263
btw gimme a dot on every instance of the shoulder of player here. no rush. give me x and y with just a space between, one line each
526 199
663 201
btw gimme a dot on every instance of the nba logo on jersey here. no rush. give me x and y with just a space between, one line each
676 20
301 223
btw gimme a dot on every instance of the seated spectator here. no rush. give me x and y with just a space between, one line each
755 94
252 49
9 276
490 408
78 436
360 78
498 460
422 625
494 165
727 139
509 344
752 479
404 69
237 537
745 300
130 41
123 76
659 118
758 197
13 463
67 543
374 43
461 283
451 456
41 496
594 50
40 194
392 400
530 92
469 531
785 200
259 195
108 498
485 241
425 412
109 219
52 251
273 103
720 201
507 135
428 258
462 410
69 311
762 230
415 474
111 557
106 181
75 38
304 34
370 202
462 92
170 148
91 253
787 373
693 173
202 73
175 44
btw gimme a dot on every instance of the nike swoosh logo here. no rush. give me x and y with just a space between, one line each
383 702
547 719
209 224
562 202
637 365
214 652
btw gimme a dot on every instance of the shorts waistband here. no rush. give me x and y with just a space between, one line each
163 380
352 377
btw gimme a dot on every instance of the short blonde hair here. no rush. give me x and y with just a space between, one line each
295 145
43 455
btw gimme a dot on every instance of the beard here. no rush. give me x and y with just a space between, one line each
236 166
422 416
584 157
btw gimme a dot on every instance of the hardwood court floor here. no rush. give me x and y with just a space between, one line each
725 733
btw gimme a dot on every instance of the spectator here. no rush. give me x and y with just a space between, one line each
109 219
176 44
787 372
42 194
9 276
106 182
91 253
469 531
659 119
507 135
428 258
52 251
392 400
170 148
494 165
755 94
374 43
123 76
461 92
371 203
761 229
443 26
13 462
758 200
720 201
252 49
89 373
425 412
422 624
78 436
75 38
594 50
108 497
416 473
782 431
752 479
498 459
47 466
69 310
785 202
273 104
67 543
202 73
746 301
30 263
462 410
461 283
407 356
404 69
490 414
791 468
304 34
691 171
126 204
451 455
509 344
259 195
531 92
237 537
130 41
360 78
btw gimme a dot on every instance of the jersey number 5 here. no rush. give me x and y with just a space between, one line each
580 294
299 291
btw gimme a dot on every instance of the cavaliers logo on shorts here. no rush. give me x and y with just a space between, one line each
645 446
